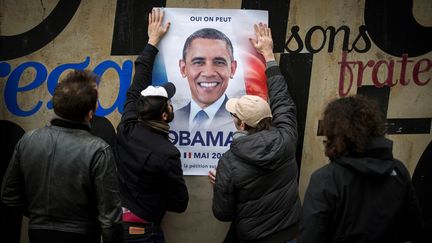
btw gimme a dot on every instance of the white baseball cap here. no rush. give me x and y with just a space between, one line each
167 90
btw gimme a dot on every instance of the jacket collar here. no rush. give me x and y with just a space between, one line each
238 134
377 160
60 122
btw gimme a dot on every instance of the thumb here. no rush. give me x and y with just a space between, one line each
167 25
252 42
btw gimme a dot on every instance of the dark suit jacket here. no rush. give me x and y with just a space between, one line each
222 121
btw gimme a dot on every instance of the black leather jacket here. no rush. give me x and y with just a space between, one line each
64 178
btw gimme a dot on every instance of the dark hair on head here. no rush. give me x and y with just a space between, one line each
208 33
76 95
264 124
349 123
151 107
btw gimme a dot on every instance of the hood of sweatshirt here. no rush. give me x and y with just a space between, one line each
377 160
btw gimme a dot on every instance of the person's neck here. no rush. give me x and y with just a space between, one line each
63 122
157 125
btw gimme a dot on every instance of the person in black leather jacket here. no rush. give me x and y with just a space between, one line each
256 184
364 194
150 173
62 177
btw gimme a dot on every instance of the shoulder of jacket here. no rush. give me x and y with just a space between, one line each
401 167
99 142
38 132
87 139
326 170
26 137
32 132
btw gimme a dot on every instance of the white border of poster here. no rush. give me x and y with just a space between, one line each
201 150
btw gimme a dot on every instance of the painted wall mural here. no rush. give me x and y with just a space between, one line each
330 48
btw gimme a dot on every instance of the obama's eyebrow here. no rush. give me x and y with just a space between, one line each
197 59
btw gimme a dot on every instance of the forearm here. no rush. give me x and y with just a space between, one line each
281 103
176 191
178 196
113 234
179 204
277 85
107 195
12 188
222 207
143 73
223 193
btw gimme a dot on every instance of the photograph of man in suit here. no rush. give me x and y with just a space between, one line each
208 64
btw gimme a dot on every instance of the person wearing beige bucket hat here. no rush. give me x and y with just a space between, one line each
255 182
250 109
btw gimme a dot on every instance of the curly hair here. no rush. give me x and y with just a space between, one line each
349 123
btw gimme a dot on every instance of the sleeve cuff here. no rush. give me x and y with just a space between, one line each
270 64
151 48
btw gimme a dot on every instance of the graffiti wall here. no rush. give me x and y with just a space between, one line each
330 48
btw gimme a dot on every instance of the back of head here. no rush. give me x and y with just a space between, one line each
349 123
76 95
153 101
208 33
151 107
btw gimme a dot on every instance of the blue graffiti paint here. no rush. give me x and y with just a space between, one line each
5 69
125 73
13 88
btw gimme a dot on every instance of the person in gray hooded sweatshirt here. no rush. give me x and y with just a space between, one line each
256 184
363 194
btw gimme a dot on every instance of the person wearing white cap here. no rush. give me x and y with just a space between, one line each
256 184
149 166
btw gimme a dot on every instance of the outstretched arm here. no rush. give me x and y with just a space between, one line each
144 63
281 103
263 44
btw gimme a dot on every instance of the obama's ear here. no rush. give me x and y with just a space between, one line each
233 68
182 66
